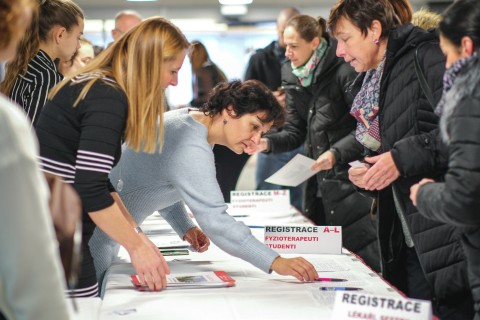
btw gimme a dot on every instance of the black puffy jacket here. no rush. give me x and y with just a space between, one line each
457 200
318 115
408 127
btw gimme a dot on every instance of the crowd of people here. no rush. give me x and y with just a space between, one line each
374 82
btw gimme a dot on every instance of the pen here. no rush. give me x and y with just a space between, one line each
339 289
256 227
330 280
240 215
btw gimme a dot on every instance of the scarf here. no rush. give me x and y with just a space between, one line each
365 109
304 73
453 92
449 78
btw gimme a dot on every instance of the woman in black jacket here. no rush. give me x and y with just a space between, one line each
456 201
315 82
396 125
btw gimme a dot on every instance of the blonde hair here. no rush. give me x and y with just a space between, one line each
426 19
135 62
50 13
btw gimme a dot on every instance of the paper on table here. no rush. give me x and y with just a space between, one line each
211 279
294 172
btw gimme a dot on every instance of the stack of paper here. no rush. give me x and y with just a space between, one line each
211 279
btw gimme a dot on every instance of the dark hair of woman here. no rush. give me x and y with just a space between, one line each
361 13
246 97
461 19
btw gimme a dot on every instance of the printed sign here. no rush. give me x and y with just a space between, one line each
354 305
304 239
261 200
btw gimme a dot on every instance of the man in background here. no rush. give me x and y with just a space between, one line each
124 21
265 65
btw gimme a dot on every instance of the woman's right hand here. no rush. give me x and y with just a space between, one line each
149 264
255 148
297 267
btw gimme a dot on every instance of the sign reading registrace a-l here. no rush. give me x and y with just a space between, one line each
304 239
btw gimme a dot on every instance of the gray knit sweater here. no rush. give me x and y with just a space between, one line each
184 172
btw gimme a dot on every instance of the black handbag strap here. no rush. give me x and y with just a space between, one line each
423 82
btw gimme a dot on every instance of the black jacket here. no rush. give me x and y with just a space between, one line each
265 66
457 200
318 115
408 127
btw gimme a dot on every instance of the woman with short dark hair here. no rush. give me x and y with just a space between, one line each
236 115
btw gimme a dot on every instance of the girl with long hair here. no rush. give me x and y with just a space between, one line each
54 34
117 98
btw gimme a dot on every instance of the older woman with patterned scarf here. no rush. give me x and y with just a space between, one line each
397 127
315 82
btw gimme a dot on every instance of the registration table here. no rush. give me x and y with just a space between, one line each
256 295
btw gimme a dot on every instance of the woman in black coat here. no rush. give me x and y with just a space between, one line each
397 127
315 83
456 201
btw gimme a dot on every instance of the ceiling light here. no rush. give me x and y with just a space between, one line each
234 10
235 2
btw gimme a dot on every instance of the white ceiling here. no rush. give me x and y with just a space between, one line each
259 10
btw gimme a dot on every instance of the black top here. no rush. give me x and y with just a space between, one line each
265 65
31 90
81 144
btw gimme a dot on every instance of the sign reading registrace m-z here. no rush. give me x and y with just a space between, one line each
304 239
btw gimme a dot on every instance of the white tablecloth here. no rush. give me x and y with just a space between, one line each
256 295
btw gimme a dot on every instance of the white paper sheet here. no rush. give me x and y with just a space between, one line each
294 172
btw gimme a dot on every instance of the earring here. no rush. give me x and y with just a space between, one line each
376 41
225 121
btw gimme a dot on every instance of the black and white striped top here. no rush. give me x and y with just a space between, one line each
31 90
81 144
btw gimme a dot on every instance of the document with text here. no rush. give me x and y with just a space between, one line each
294 172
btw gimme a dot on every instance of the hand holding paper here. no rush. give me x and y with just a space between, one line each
255 148
325 161
294 172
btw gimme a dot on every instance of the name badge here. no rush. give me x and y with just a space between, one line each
350 305
304 239
261 200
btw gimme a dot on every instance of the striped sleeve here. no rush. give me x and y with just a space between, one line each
31 89
104 114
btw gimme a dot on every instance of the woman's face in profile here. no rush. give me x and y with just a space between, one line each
170 70
298 50
356 48
451 52
244 131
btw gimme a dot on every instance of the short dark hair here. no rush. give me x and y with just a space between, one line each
246 97
361 13
460 19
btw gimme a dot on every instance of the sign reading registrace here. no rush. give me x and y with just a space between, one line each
304 239
350 305
261 200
